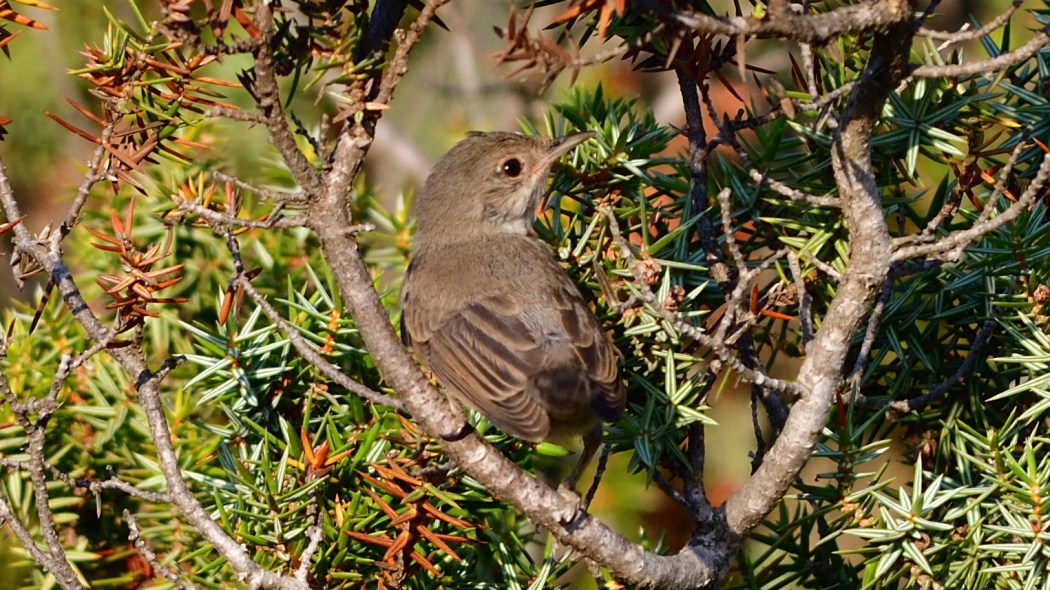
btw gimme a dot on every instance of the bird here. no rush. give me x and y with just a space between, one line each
490 312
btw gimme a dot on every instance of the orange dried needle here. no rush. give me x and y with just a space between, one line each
338 456
383 471
452 520
9 39
387 487
400 474
382 541
986 176
7 226
777 315
84 111
450 538
390 512
118 226
569 13
406 423
230 195
227 303
144 312
405 516
308 449
169 300
320 455
118 283
142 291
399 543
604 15
430 536
216 81
70 127
423 562
124 159
164 284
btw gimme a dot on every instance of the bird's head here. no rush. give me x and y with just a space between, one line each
489 183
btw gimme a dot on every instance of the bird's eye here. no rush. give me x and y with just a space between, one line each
512 167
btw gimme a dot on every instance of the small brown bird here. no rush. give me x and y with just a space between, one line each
487 308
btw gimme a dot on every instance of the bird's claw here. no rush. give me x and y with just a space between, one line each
575 513
460 434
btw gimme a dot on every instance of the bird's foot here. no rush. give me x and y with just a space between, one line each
575 512
460 434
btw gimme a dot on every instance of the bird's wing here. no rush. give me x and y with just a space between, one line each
491 348
487 351
484 355
597 356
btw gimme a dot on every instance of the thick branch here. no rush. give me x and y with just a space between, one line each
804 28
691 568
267 98
866 271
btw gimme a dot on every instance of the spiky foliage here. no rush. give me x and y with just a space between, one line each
213 276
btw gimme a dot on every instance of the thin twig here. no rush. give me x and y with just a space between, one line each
947 211
756 376
966 33
599 470
776 409
271 195
822 266
1004 174
142 546
669 490
995 64
268 101
314 533
115 483
782 189
26 539
94 175
951 247
915 404
816 29
725 209
870 332
309 353
216 218
727 136
808 60
805 317
58 564
235 115
18 408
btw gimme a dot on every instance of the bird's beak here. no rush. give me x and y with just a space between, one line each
560 145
